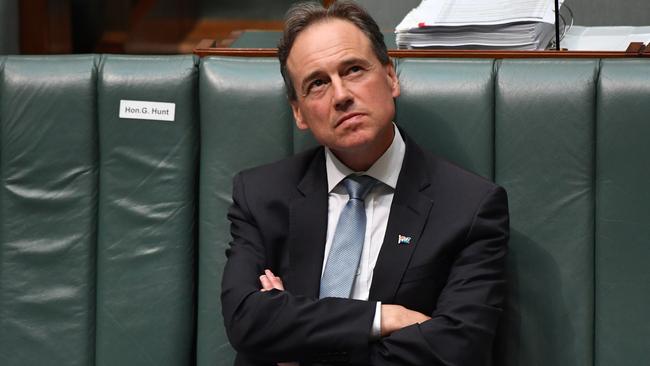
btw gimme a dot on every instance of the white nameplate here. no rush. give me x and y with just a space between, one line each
138 109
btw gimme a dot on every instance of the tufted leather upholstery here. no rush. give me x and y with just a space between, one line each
113 231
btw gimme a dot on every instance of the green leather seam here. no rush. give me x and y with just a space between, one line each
98 62
594 190
2 78
496 64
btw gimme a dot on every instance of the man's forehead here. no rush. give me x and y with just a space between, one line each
336 38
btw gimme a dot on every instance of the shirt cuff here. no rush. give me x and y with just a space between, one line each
375 331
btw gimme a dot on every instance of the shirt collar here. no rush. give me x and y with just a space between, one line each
386 169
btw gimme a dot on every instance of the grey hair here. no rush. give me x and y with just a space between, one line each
302 15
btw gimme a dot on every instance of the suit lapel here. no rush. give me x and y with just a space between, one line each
308 229
408 215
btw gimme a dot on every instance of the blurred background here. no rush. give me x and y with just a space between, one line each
176 26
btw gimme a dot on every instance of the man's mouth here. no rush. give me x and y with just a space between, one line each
347 117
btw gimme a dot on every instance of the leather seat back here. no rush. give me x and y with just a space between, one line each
97 212
113 230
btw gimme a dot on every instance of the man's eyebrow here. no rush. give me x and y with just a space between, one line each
312 75
354 61
343 64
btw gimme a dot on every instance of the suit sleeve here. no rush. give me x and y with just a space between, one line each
463 325
275 325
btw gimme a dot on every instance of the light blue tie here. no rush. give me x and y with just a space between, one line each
343 259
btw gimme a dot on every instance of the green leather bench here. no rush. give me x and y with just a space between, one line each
113 230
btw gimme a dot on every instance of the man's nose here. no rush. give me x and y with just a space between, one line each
341 94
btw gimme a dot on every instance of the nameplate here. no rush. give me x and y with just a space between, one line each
155 111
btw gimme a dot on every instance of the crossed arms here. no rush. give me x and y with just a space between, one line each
267 324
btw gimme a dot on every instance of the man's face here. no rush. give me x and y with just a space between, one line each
344 94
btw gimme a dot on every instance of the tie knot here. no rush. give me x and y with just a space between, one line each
358 186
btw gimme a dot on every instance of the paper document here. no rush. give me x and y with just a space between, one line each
504 24
580 38
463 12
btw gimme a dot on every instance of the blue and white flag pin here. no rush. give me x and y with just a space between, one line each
405 240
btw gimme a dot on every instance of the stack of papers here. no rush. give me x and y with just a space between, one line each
478 24
580 38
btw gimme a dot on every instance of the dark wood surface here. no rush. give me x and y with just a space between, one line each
209 47
125 26
45 26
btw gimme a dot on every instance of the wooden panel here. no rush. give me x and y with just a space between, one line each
45 26
211 48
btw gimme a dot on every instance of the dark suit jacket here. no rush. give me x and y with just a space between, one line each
452 270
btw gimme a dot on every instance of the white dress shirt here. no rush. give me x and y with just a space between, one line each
377 204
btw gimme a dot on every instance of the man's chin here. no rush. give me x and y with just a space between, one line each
352 143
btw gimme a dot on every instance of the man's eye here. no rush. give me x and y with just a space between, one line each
316 85
354 69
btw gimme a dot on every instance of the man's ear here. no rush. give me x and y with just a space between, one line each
393 80
297 116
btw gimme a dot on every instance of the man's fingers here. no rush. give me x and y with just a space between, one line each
396 317
269 281
275 280
266 283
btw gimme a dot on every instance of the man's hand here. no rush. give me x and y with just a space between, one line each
270 281
396 317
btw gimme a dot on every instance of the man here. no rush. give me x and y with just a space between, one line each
368 250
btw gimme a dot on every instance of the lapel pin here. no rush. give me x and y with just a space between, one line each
404 240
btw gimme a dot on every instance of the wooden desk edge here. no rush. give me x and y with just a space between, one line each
208 48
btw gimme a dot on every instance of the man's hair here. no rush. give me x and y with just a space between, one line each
302 15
